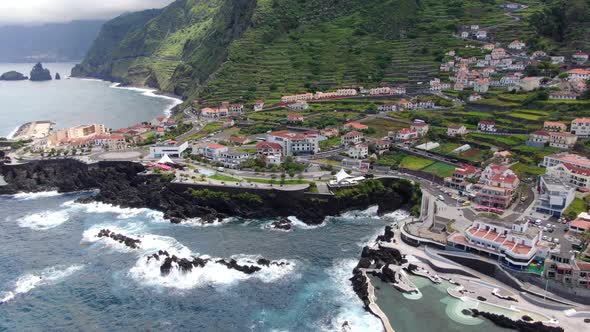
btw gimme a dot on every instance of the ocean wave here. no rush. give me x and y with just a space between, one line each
370 212
147 272
31 196
198 222
12 133
151 93
150 243
300 224
396 215
98 207
351 307
28 282
44 220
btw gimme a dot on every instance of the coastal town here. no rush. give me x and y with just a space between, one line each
498 140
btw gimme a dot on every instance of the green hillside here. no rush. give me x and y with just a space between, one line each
242 50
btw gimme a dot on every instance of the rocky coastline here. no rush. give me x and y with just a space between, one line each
519 325
121 184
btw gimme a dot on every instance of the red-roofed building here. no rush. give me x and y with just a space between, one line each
420 127
213 151
512 244
563 267
575 176
258 105
351 138
355 126
295 143
456 130
462 176
562 140
239 140
579 73
554 126
497 187
110 141
382 146
406 135
487 126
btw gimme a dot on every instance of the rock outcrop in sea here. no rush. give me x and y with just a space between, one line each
119 184
38 73
186 265
57 76
13 76
127 241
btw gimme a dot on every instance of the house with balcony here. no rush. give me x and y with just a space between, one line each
351 138
514 245
581 127
296 143
295 117
487 126
562 140
456 130
258 105
554 126
381 146
554 195
497 186
563 267
580 73
581 224
421 128
390 107
358 151
463 177
406 135
233 158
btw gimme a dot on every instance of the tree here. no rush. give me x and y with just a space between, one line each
584 238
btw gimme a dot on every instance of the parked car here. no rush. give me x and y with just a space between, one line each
441 198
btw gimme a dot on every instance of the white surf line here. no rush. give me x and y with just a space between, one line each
150 93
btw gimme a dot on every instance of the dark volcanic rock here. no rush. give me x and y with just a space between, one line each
57 76
283 224
129 242
38 73
13 76
119 184
388 236
520 325
360 286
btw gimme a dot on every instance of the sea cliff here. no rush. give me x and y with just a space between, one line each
121 184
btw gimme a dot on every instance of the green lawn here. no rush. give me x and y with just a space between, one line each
223 177
446 148
208 129
439 169
523 170
576 207
415 163
330 142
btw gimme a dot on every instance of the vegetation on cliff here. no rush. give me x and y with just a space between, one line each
13 76
243 50
565 21
38 73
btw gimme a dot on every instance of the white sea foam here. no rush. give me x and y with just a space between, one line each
31 196
198 222
98 207
28 282
351 307
300 224
396 215
370 212
150 93
12 133
148 273
44 220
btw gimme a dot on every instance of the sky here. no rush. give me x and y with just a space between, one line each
50 11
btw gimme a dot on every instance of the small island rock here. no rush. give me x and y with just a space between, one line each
38 73
12 76
57 77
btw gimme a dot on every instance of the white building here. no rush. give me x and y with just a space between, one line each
294 143
171 148
555 195
359 151
581 127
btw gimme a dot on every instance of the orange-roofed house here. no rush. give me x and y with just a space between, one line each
213 151
581 223
554 126
462 177
513 244
355 126
581 73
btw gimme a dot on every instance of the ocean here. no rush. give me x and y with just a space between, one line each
56 275
70 102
